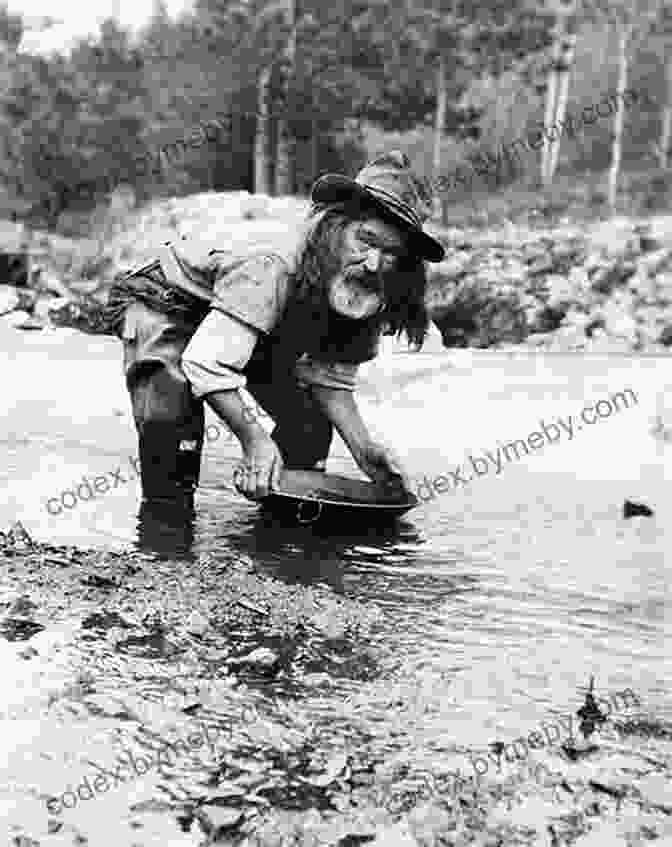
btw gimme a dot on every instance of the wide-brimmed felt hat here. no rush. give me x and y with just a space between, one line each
389 186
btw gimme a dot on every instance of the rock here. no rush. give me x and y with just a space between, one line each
27 653
107 706
506 287
197 624
48 282
18 536
22 606
45 305
615 275
594 324
13 319
9 299
665 337
632 509
225 790
548 319
648 337
653 263
262 660
19 628
30 323
218 819
647 242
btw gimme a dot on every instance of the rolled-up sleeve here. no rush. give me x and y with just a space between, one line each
327 374
217 353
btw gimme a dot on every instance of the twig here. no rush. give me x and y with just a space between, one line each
250 607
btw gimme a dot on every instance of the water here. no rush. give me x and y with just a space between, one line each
496 600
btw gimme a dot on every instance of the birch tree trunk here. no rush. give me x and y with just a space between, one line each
314 148
439 123
664 151
262 142
550 101
440 117
617 144
568 50
284 161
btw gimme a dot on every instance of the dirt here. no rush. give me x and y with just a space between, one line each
197 682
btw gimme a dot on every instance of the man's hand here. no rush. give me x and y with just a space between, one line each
259 471
382 465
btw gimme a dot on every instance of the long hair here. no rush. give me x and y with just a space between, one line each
319 260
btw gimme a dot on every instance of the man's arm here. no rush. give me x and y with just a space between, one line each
340 407
262 460
239 418
213 362
377 461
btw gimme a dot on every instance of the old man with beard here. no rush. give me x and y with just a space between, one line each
290 330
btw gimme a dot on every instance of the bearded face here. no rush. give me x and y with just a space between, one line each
354 271
370 251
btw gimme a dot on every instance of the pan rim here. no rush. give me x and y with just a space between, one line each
349 504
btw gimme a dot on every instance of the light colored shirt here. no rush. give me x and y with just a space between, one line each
249 301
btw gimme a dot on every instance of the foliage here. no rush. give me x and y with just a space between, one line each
72 126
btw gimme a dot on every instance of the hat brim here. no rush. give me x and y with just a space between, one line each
336 188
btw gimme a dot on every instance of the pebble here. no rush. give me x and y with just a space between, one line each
218 818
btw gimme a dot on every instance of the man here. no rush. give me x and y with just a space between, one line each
291 330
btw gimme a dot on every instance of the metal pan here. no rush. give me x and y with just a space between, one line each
313 495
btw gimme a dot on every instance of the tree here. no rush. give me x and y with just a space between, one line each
284 170
436 29
108 110
12 28
259 39
632 22
461 42
663 35
557 92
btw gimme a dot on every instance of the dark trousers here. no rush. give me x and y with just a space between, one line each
170 420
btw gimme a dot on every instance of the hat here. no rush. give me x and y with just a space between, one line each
388 186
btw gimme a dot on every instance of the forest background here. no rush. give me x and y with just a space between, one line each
319 87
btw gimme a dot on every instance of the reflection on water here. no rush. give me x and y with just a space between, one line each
322 553
166 529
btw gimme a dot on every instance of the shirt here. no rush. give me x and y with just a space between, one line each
249 301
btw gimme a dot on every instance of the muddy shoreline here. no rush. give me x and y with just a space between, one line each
141 653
